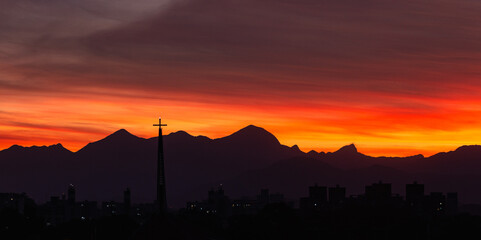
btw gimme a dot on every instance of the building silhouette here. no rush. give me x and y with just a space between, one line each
217 203
415 195
15 201
452 202
378 194
127 201
161 199
316 200
70 208
337 195
436 203
71 193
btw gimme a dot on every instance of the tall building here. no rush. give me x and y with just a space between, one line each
218 202
437 202
71 194
452 202
318 194
14 201
379 193
127 201
337 194
70 207
316 200
263 198
415 195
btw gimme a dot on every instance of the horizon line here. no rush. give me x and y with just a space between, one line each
250 125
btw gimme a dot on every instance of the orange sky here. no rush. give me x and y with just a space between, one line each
376 131
395 78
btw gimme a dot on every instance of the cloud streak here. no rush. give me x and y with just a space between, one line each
386 67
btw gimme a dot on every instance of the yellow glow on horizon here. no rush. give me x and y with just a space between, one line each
76 122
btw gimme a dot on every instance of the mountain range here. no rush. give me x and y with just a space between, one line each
243 162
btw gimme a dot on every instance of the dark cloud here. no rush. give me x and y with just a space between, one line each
282 50
66 128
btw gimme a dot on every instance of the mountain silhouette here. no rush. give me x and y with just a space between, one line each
348 157
464 160
56 148
119 139
245 161
347 150
34 169
251 135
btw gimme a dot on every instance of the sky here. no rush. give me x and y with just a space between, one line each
396 78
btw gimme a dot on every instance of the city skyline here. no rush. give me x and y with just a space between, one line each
287 119
251 158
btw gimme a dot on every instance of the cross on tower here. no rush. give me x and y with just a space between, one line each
161 194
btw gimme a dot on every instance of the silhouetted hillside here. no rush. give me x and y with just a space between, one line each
347 157
35 169
245 161
103 169
464 160
289 176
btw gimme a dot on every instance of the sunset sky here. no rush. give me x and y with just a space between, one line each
394 77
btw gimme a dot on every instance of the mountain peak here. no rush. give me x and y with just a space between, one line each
180 133
312 152
119 138
468 148
351 148
57 146
120 134
183 135
54 147
15 147
252 128
252 132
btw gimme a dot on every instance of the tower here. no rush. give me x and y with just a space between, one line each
161 195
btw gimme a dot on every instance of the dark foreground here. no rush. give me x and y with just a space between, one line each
275 221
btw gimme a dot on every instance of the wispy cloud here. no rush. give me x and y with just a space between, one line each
389 60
